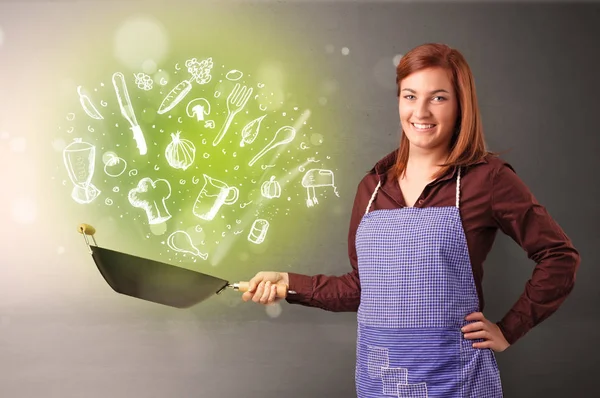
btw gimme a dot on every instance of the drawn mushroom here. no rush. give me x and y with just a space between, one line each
198 107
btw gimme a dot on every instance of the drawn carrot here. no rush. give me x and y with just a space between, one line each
175 96
200 72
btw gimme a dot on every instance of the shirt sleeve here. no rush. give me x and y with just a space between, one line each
333 293
519 215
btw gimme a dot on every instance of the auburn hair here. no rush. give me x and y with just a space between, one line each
467 145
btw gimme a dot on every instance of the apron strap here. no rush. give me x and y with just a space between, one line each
373 196
379 185
458 188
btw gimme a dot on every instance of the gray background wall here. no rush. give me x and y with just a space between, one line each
63 333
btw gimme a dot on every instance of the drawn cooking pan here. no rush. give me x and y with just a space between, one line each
158 282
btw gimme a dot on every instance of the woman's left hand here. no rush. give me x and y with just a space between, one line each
486 330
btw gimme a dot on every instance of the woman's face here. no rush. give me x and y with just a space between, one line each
428 108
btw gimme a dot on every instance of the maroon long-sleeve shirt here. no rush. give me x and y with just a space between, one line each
492 197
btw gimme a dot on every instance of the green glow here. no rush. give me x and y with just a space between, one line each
179 146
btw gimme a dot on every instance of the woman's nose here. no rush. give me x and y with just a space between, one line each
422 110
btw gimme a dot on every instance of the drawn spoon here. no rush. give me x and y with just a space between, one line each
283 136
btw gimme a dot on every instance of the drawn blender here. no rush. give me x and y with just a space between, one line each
79 158
282 136
120 86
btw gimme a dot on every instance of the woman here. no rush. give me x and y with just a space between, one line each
423 222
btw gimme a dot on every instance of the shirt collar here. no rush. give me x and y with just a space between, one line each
384 167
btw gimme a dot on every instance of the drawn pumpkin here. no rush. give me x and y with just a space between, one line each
271 189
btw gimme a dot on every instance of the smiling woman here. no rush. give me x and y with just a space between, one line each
424 220
428 114
433 82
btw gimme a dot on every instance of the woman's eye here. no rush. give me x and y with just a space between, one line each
440 98
409 97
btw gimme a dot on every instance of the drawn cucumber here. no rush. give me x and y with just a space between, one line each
87 105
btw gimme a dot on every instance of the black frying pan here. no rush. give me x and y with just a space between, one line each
155 281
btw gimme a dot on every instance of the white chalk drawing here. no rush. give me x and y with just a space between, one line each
79 158
143 81
114 166
236 101
212 196
270 189
317 178
127 111
209 124
180 241
180 153
251 130
258 231
283 136
234 75
200 72
151 196
198 108
87 105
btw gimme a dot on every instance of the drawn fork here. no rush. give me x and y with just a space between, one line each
236 100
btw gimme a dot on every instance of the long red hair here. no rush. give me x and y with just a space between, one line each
467 145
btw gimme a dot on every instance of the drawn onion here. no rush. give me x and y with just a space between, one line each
180 153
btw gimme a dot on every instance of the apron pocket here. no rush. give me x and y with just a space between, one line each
420 360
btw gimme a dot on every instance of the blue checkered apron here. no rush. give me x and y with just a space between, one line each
416 289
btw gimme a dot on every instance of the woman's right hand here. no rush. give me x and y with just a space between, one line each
262 288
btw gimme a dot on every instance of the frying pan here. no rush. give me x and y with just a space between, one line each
158 282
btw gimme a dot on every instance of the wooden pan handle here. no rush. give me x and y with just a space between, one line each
86 229
282 289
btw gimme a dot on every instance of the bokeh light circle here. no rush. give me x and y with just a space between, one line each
139 39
